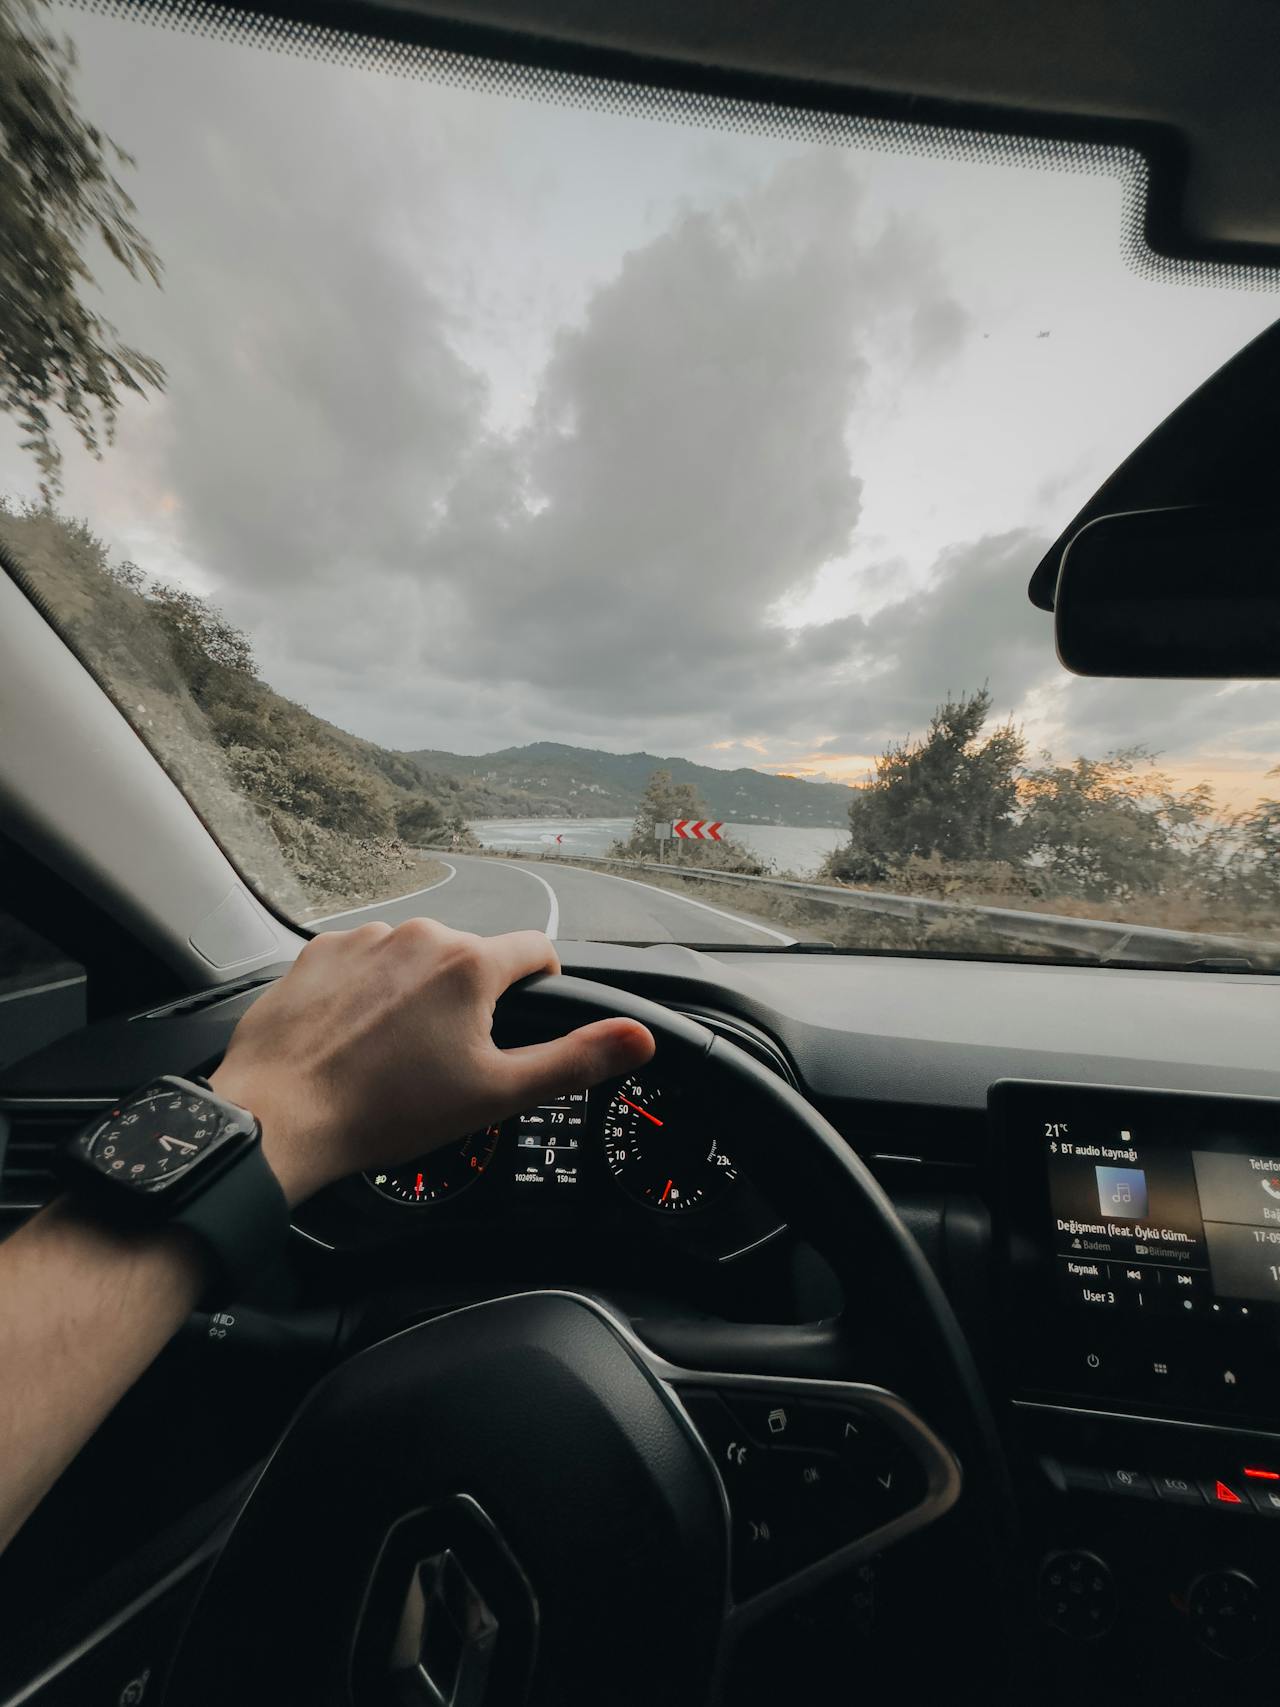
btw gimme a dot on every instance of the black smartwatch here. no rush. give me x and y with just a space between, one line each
176 1154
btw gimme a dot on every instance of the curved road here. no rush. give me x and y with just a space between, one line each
568 902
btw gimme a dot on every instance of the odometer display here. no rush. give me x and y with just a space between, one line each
548 1142
440 1173
662 1150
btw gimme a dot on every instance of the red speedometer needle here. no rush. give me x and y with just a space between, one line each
639 1110
667 1192
417 1186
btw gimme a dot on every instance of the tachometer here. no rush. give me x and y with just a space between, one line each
440 1173
660 1150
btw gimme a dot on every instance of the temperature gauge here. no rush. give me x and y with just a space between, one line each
440 1173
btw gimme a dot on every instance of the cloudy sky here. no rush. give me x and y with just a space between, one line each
493 420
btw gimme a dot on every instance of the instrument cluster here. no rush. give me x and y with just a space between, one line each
660 1153
638 1147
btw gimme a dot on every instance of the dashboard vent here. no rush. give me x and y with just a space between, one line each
30 1134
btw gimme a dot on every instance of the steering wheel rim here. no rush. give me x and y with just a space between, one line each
233 1645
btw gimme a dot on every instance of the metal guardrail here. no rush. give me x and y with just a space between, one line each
1101 940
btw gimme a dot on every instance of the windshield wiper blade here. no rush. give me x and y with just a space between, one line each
724 947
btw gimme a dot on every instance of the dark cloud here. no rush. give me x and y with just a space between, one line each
611 565
317 412
938 331
686 465
1173 719
971 624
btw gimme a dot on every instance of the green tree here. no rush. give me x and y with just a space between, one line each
1114 827
459 833
1241 857
1261 830
951 795
58 191
420 820
204 643
663 802
313 780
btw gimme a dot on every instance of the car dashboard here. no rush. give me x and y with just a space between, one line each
1089 1158
646 1160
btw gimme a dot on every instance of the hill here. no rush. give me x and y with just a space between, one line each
549 779
310 814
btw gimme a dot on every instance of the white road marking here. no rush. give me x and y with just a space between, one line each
671 895
391 901
553 917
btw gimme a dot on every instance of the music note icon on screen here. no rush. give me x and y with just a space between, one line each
1122 1193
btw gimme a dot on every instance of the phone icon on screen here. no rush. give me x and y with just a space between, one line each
1272 1187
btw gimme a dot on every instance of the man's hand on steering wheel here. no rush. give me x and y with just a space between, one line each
376 1046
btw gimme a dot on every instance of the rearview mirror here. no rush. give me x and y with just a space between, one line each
1192 592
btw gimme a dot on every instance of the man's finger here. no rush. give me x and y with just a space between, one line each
602 1050
517 955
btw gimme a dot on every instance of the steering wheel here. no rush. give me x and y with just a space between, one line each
519 1501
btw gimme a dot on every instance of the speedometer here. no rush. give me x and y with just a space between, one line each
440 1173
661 1150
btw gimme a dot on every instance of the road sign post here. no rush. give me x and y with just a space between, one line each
662 835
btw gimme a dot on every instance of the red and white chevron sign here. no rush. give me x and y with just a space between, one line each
697 829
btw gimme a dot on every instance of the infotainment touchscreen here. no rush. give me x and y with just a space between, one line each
1142 1235
1136 1225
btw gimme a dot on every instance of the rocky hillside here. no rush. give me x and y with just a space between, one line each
312 816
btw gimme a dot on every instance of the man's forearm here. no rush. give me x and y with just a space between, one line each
83 1311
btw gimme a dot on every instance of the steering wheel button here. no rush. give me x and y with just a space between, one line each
856 1438
774 1419
883 1482
806 1475
766 1547
776 1534
851 1433
735 1454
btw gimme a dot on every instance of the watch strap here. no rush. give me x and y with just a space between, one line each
242 1220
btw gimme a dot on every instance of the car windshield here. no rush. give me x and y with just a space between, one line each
582 506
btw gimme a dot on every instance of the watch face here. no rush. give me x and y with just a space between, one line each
155 1136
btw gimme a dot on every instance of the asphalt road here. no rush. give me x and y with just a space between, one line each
568 902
